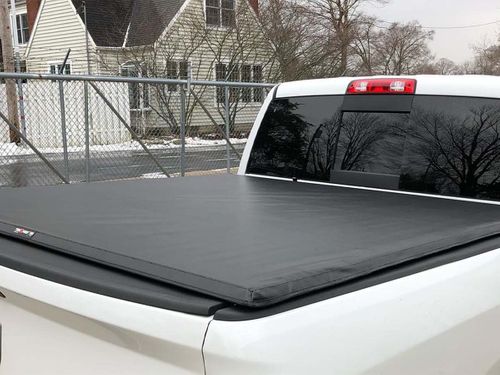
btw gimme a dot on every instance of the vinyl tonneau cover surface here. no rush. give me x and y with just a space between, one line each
250 241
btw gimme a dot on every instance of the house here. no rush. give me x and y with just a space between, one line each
24 24
209 39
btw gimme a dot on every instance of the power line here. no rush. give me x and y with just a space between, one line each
447 27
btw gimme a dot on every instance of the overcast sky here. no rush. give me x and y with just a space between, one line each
453 44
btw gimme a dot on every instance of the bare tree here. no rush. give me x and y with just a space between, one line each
467 67
169 57
286 26
397 49
240 52
236 52
446 67
339 20
365 47
487 58
403 48
325 38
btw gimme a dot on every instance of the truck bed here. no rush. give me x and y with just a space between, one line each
239 240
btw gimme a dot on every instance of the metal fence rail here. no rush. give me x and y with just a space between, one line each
95 128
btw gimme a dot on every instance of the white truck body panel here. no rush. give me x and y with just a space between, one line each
433 322
65 330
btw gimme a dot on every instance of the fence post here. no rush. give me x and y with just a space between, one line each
226 121
87 131
22 112
63 129
183 130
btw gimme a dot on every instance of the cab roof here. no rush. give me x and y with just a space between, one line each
456 85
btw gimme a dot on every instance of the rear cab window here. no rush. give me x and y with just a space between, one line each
422 143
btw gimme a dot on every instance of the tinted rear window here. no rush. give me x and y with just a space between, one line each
445 145
297 138
454 147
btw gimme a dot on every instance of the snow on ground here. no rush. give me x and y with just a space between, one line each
154 175
11 149
191 173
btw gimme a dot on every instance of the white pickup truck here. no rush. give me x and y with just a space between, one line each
361 236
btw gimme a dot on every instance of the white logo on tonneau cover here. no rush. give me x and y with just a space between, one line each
24 232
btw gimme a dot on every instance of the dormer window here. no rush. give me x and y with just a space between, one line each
23 33
220 13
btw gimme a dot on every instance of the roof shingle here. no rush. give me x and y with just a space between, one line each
145 20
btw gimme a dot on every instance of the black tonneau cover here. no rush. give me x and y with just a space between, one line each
250 241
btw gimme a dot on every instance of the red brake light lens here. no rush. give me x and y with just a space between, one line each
382 86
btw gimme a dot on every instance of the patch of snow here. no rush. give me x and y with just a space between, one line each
154 175
209 142
11 149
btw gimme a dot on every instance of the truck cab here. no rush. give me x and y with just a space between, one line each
421 134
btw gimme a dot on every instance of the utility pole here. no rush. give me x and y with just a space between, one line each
8 64
15 40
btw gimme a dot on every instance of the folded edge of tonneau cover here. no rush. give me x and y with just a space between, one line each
261 297
70 271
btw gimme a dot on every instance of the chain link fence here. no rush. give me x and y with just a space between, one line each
67 129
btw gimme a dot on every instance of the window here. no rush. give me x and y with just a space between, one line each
233 76
23 33
183 70
172 74
454 147
258 94
138 92
297 138
227 13
246 76
55 68
311 138
371 142
220 13
177 70
243 73
220 75
369 149
444 145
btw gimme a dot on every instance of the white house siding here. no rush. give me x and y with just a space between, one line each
43 114
202 60
59 28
